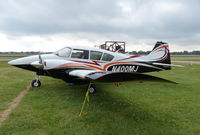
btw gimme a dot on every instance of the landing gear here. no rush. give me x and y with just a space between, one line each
92 89
36 83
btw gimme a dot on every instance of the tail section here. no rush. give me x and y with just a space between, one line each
160 53
160 56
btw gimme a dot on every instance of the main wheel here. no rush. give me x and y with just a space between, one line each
92 89
36 83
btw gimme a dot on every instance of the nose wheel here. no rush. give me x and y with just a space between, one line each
36 83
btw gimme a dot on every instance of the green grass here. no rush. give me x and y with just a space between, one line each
13 81
7 57
185 57
13 55
148 108
189 59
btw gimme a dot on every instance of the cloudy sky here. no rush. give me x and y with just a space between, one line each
47 25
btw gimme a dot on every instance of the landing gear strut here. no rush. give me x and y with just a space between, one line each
90 90
36 82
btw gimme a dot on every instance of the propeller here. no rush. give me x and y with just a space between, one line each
39 64
40 58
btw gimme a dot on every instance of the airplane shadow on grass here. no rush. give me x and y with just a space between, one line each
115 111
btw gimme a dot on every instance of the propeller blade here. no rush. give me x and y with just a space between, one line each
40 58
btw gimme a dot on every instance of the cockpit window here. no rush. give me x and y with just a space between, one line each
95 55
107 57
80 54
65 52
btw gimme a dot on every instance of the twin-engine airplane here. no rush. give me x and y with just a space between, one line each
76 64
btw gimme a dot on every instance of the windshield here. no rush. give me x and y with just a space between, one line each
65 52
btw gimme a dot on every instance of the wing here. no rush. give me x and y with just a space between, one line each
106 76
82 73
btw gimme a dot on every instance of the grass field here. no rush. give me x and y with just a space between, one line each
13 80
185 58
148 108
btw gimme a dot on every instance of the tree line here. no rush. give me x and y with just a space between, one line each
25 53
173 53
132 52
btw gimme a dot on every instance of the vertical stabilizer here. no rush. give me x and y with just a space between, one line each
160 53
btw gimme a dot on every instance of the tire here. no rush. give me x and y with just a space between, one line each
36 83
92 89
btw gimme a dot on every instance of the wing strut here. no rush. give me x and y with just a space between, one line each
87 98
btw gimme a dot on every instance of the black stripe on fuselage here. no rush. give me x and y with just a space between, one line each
27 67
55 73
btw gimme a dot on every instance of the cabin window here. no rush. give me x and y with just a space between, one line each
107 57
65 52
95 55
80 54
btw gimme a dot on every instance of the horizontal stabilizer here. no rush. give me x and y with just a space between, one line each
170 65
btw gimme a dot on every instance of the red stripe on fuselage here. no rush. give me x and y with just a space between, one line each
93 62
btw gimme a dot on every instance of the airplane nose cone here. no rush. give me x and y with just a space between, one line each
15 62
19 61
12 62
23 61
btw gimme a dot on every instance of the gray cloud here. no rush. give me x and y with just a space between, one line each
174 20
